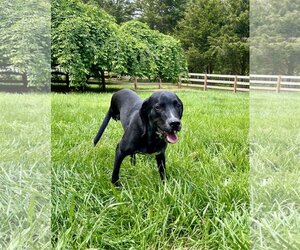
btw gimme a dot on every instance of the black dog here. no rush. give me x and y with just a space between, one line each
148 126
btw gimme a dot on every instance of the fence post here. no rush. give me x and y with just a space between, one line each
159 84
235 83
205 82
179 81
278 84
24 79
68 80
135 83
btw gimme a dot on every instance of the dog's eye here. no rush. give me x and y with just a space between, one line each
177 104
157 108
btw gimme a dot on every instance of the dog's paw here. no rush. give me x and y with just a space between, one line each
117 184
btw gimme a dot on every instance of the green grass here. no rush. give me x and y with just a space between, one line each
25 170
203 205
275 168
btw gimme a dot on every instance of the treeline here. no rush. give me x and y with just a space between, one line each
25 38
275 37
149 38
213 33
86 41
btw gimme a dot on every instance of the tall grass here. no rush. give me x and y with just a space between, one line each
25 171
203 205
275 167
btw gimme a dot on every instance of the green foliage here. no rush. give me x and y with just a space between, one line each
230 46
25 38
171 60
87 41
139 60
165 58
214 34
83 40
121 10
275 37
161 15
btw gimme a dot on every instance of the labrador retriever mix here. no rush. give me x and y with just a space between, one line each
148 126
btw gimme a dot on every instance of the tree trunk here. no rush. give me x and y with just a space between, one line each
68 81
291 66
102 79
24 79
209 69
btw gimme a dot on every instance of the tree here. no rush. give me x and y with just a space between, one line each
25 38
87 41
164 57
275 32
84 41
121 10
202 19
161 15
214 34
231 47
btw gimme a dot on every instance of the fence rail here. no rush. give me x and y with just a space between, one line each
216 81
12 75
275 83
242 83
235 83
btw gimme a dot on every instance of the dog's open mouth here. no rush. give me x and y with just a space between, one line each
170 137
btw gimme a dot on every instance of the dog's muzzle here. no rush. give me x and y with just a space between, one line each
170 134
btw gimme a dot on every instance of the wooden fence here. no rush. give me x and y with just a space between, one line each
59 76
215 81
275 83
281 83
242 83
10 75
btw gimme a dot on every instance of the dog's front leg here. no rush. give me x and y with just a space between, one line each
161 164
119 157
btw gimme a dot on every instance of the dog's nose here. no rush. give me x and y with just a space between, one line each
175 124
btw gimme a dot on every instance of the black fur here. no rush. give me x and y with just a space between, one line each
146 126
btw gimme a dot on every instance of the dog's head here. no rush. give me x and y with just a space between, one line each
163 110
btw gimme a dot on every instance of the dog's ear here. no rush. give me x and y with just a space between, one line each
144 111
181 108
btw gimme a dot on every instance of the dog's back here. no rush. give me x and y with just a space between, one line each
123 105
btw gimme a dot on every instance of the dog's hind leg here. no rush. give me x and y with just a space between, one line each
119 157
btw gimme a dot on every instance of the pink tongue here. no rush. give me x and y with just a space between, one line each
172 138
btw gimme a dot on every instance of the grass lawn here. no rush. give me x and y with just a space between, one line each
203 205
25 170
275 170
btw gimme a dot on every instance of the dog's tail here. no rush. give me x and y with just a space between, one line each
103 126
